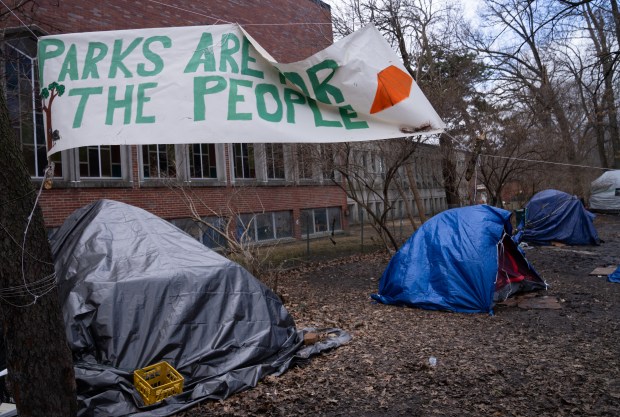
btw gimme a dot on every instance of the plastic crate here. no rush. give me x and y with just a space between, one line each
156 382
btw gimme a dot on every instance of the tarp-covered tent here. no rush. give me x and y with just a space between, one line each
461 260
136 290
605 192
555 216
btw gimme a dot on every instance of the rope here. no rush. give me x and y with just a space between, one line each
35 289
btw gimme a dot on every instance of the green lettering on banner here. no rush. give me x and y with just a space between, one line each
114 104
234 97
292 97
318 117
158 63
246 59
323 88
69 65
142 98
261 105
296 79
95 53
118 55
84 94
48 49
202 55
200 90
227 51
348 113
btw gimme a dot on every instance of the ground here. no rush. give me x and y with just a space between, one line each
517 362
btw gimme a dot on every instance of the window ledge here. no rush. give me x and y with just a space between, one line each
174 182
242 182
89 183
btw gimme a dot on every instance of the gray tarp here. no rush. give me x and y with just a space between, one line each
605 192
136 290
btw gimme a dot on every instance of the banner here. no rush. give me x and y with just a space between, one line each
215 84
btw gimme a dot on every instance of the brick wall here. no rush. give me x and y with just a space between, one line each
287 29
58 203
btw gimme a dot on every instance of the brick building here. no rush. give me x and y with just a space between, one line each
267 183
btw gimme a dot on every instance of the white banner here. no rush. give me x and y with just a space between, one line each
206 84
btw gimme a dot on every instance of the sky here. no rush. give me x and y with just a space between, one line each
469 6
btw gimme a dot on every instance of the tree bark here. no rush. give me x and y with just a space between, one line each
597 33
406 201
416 193
449 171
40 367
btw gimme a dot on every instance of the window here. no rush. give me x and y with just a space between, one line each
274 153
100 161
24 104
202 161
208 233
320 220
158 161
328 161
304 161
243 160
265 226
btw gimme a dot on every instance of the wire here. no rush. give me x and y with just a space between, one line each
545 162
535 160
17 17
188 11
19 245
217 19
17 198
35 289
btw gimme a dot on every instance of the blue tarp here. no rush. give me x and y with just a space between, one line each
615 276
555 216
459 260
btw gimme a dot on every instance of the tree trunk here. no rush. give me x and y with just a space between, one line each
416 193
407 202
449 171
607 65
599 130
40 367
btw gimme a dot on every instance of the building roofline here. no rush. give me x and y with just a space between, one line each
322 4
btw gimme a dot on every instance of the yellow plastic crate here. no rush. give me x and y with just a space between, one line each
156 382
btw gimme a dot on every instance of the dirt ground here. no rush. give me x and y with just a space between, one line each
517 362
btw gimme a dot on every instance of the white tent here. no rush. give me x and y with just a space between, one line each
605 192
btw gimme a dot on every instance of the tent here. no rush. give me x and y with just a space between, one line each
555 216
461 260
135 290
605 192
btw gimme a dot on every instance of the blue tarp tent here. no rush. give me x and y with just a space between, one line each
554 216
460 260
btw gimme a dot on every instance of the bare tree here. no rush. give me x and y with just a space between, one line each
506 155
598 20
372 175
426 35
